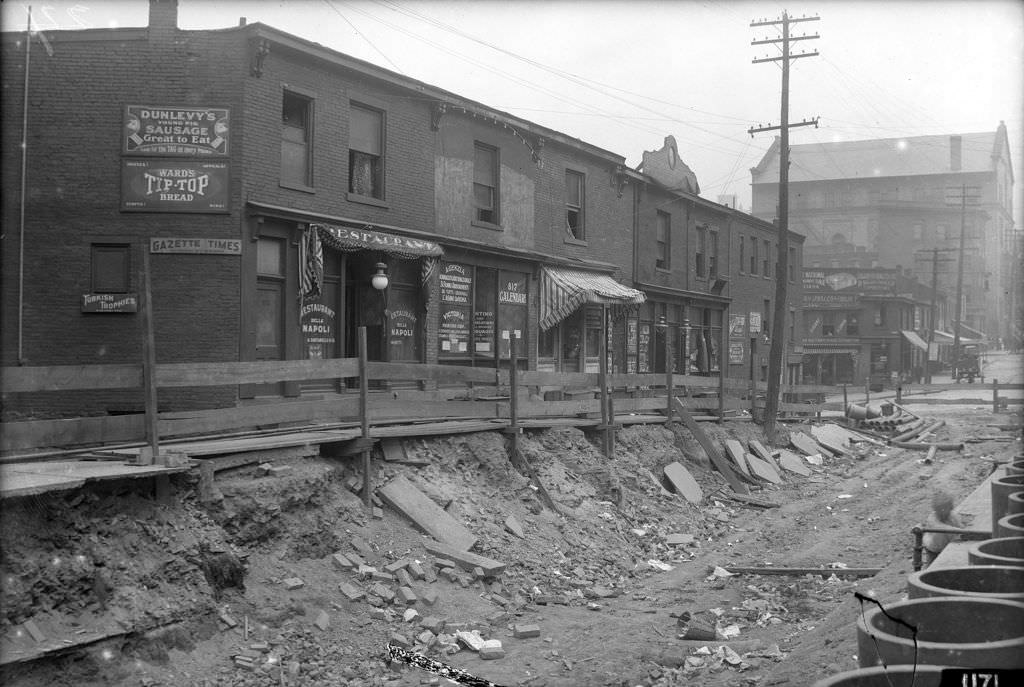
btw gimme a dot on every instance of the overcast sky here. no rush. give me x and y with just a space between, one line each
624 74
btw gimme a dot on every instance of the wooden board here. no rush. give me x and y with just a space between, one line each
405 498
465 559
763 470
794 463
394 452
736 452
683 482
713 455
758 449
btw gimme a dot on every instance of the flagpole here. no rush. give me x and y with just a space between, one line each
24 166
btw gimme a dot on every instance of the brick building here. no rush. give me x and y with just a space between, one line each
899 198
283 195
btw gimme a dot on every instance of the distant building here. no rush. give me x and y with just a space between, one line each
729 200
899 198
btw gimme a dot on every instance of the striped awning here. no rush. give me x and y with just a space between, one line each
563 290
914 339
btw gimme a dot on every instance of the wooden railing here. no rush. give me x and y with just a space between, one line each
440 392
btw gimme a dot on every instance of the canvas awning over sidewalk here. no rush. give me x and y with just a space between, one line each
914 339
563 290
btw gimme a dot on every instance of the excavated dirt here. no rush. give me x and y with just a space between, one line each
157 584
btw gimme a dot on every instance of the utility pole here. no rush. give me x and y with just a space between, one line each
960 268
782 271
931 329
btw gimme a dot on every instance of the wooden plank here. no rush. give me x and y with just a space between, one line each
69 377
683 482
71 432
381 409
558 379
709 448
738 455
535 409
258 415
405 498
824 572
443 374
465 559
760 468
422 429
794 463
758 449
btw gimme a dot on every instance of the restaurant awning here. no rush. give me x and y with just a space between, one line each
364 238
563 290
914 339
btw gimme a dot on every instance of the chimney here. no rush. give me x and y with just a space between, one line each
163 15
955 153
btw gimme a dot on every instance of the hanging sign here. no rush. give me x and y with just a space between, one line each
160 130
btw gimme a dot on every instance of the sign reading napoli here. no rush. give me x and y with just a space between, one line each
160 130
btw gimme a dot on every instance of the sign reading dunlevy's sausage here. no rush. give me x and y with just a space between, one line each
160 130
174 186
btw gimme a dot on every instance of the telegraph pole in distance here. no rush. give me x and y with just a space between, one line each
951 195
931 329
782 271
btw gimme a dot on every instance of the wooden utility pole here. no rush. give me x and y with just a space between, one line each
951 197
934 321
782 270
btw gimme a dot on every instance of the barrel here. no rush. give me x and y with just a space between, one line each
1009 526
961 632
978 581
1002 551
879 676
1001 489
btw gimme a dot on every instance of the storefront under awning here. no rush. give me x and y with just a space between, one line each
914 339
563 290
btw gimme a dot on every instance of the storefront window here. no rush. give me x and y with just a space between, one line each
482 309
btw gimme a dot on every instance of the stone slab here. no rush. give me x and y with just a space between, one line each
351 592
683 482
680 539
759 450
763 470
515 527
465 559
794 463
735 451
401 495
806 444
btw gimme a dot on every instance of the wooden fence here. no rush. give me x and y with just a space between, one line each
439 392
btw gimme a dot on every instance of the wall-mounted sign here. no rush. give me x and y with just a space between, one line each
755 323
160 130
174 186
319 329
196 246
110 302
737 326
830 300
736 352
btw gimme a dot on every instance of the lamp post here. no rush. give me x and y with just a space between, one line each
379 281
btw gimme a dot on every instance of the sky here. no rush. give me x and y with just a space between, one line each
623 74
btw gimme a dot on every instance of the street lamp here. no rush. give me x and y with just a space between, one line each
379 280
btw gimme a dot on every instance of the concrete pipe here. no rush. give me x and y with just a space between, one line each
978 581
1010 526
1003 551
1001 489
1015 503
879 676
1015 467
959 632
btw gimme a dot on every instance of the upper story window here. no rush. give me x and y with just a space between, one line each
712 254
753 255
296 139
743 254
663 258
485 184
366 152
574 205
701 252
111 267
766 261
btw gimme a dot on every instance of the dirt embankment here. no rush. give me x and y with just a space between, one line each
174 593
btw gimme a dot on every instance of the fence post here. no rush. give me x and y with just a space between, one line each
995 395
669 370
149 364
364 418
602 376
513 385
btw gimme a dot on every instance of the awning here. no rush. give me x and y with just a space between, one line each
563 290
942 337
365 238
971 331
914 339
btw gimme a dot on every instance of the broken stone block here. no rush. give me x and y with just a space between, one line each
399 640
416 570
356 559
33 630
404 578
351 592
499 618
365 571
342 562
383 592
679 539
378 613
382 576
362 547
377 513
523 631
449 574
515 527
491 650
410 615
407 595
425 637
293 583
323 621
262 647
433 623
396 566
227 620
429 597
478 572
471 640
429 574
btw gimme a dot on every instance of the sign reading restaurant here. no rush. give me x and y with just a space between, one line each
160 130
174 186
